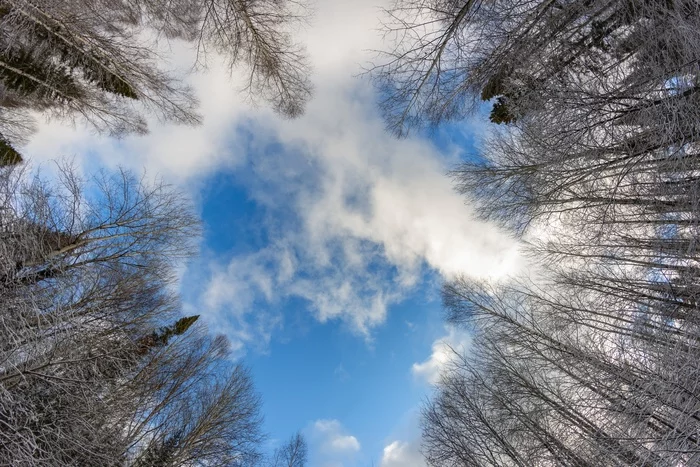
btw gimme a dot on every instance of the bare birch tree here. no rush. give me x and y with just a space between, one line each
593 361
292 454
97 366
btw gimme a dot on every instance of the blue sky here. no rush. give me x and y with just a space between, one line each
325 242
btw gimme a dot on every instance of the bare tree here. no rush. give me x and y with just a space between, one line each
593 359
444 56
292 454
89 59
193 408
97 366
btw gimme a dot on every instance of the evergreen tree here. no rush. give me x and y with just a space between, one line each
86 59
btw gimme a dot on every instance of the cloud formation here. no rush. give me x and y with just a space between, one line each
331 445
443 351
355 216
402 454
177 152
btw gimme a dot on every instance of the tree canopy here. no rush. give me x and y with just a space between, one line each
592 359
97 364
89 59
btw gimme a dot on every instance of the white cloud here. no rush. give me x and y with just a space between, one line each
402 454
443 351
176 152
331 445
333 437
394 194
368 213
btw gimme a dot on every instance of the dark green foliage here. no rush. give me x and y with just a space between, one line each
22 73
8 154
500 113
64 58
493 87
91 64
161 337
116 85
183 324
